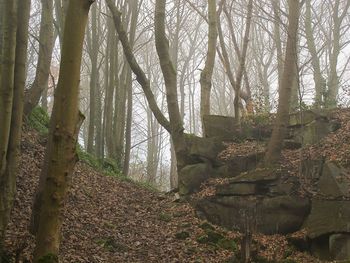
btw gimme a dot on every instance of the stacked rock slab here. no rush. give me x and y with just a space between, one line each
309 127
328 225
258 198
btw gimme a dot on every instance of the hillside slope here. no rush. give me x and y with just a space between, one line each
112 220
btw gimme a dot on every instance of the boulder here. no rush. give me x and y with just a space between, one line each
262 176
339 247
192 176
259 182
271 215
311 129
328 217
306 117
312 169
222 127
334 181
204 148
239 164
237 189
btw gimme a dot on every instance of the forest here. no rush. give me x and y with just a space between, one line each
174 131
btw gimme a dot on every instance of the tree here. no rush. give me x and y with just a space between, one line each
241 54
65 122
93 53
320 82
7 75
46 44
206 75
289 70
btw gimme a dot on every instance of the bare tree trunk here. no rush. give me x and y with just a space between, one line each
333 83
127 149
275 144
277 36
11 75
7 78
61 156
169 73
128 126
140 75
2 8
99 120
206 74
60 10
319 80
236 83
111 74
93 53
32 96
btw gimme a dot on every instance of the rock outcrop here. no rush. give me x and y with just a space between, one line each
309 127
263 196
268 201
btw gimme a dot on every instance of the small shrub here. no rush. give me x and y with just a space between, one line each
217 240
165 217
88 158
182 235
39 120
112 245
206 226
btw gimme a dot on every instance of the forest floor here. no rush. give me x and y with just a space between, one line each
109 219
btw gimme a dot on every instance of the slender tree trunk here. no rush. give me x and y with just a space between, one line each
110 87
61 156
277 36
46 44
206 74
93 81
140 75
7 78
2 10
60 10
99 120
319 80
128 129
169 73
9 130
279 131
242 64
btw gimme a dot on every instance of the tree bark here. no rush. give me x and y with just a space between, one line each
319 80
169 74
32 96
7 78
206 74
60 156
274 148
333 81
111 79
10 101
93 52
140 75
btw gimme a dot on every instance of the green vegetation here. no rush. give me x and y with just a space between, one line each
5 258
215 239
164 217
39 120
182 235
112 245
49 258
106 166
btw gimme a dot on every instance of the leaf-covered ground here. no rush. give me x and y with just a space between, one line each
112 220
